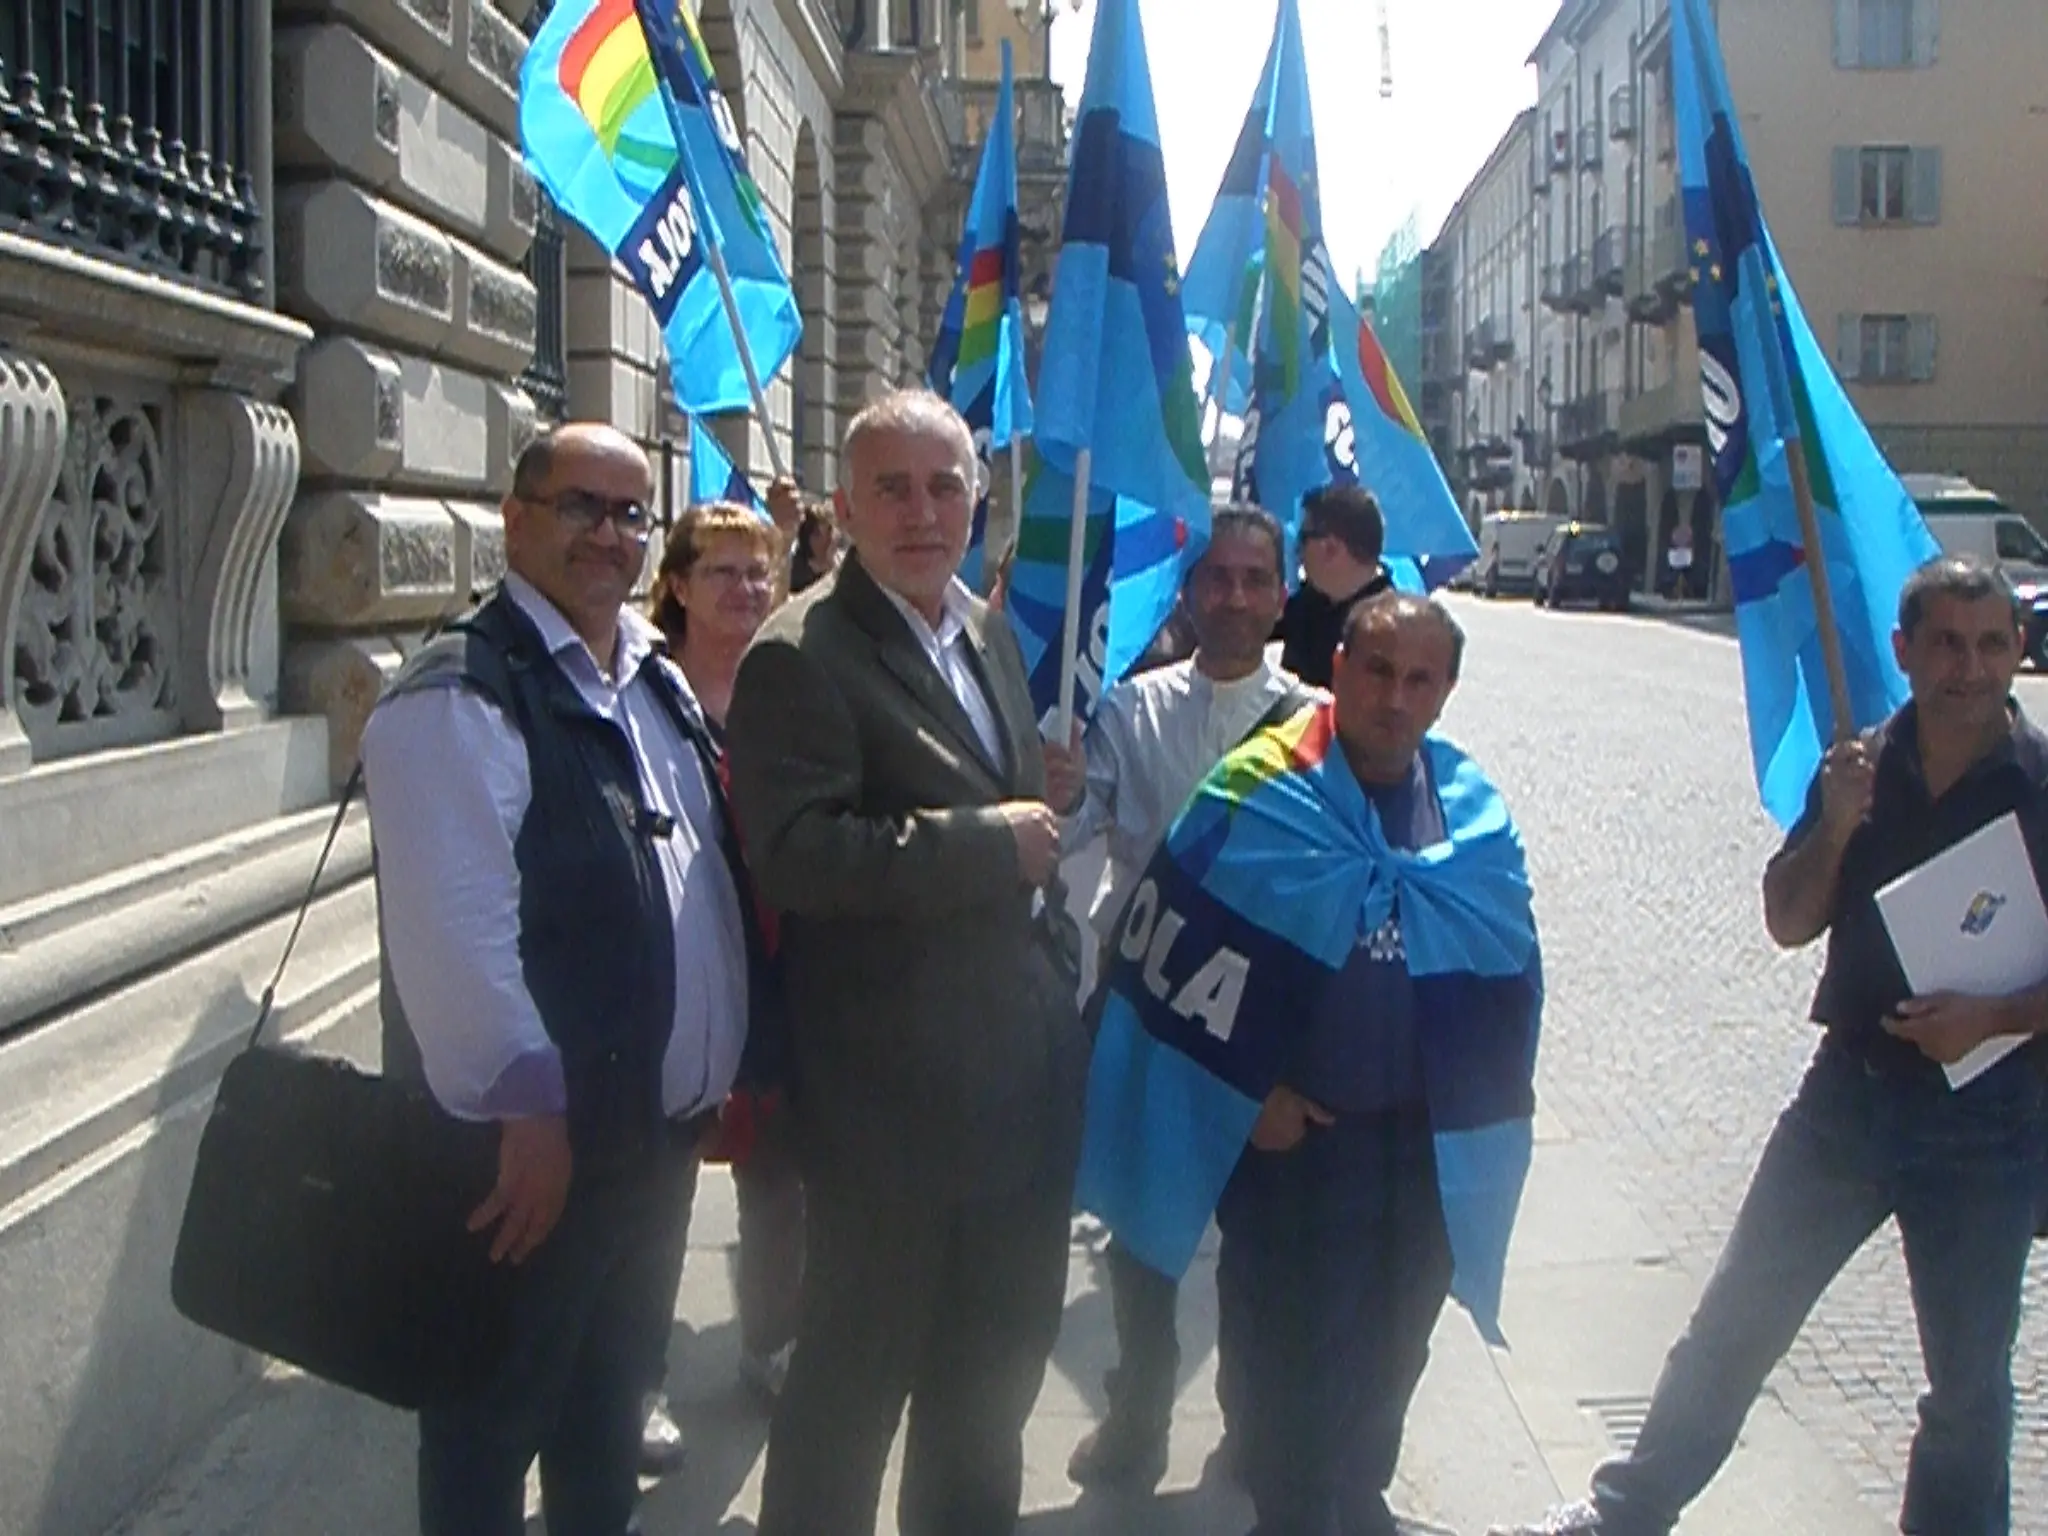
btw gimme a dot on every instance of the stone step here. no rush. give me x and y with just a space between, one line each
102 1385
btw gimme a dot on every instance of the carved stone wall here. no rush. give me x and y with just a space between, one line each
400 236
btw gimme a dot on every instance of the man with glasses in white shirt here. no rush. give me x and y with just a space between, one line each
566 939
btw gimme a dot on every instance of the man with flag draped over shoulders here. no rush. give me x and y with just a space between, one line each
1321 1026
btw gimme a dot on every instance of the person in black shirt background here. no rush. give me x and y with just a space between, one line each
1342 535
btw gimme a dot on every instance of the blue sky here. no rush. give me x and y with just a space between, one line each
1459 78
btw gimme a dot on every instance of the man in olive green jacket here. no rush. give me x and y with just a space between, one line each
888 779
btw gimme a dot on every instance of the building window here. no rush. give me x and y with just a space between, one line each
1878 185
1887 349
1886 34
970 22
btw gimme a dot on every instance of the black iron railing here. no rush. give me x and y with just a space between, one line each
546 380
127 127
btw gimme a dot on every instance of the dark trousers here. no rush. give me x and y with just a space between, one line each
1141 1386
590 1311
770 1270
953 1307
1334 1267
1964 1174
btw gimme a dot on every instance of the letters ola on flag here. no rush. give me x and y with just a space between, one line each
622 121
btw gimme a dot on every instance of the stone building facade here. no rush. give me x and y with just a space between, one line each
1881 133
279 305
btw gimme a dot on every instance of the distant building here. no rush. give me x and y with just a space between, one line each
1883 134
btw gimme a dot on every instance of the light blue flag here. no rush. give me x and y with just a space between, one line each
714 476
1221 292
1766 380
977 361
1115 378
622 121
1374 438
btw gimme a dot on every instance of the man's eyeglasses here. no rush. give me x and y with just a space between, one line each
583 511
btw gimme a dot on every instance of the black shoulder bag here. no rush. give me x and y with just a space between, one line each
327 1221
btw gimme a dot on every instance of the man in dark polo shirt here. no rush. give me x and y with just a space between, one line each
1342 538
1875 1131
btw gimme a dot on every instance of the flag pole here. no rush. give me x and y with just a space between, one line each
716 257
1070 634
1016 491
739 339
1823 597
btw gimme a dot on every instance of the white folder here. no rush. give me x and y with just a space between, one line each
1971 920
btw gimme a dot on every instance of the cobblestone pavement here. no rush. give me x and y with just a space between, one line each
1675 1030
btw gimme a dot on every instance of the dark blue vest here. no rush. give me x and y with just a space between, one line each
596 936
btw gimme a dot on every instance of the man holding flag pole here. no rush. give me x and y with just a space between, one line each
1848 625
977 361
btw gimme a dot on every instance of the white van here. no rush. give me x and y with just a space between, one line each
1508 545
1966 519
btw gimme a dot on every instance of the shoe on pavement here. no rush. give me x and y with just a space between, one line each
764 1375
1119 1453
661 1442
1580 1519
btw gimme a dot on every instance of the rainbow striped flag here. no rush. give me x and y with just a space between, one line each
622 121
977 359
1276 871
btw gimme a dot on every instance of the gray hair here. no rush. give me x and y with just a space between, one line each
1398 608
1966 578
918 412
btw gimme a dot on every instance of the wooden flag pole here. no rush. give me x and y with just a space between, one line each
1070 634
1016 494
1823 597
739 340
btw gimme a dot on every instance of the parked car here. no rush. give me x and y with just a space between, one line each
1582 563
1966 519
1508 545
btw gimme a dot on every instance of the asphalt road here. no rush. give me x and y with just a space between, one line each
1675 1029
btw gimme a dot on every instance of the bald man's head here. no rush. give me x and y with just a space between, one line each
577 524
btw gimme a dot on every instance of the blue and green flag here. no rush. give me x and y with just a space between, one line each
1767 382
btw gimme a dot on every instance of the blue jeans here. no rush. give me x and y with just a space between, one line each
1334 1265
1964 1172
593 1307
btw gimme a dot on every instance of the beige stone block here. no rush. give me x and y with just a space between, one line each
495 312
340 678
338 104
418 34
360 560
479 547
509 425
357 262
483 72
512 203
350 405
602 389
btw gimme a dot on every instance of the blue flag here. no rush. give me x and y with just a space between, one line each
1277 871
1115 379
1372 436
1221 292
1767 381
977 361
622 121
714 476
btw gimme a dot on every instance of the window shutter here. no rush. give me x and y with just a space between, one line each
1848 185
1848 34
1923 187
1921 339
1849 346
1926 32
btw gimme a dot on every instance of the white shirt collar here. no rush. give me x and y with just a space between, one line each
637 634
954 609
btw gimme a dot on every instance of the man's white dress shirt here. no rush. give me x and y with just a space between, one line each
448 783
949 652
1154 738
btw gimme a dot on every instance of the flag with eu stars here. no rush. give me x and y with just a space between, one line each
714 476
977 360
622 120
1115 381
1766 381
